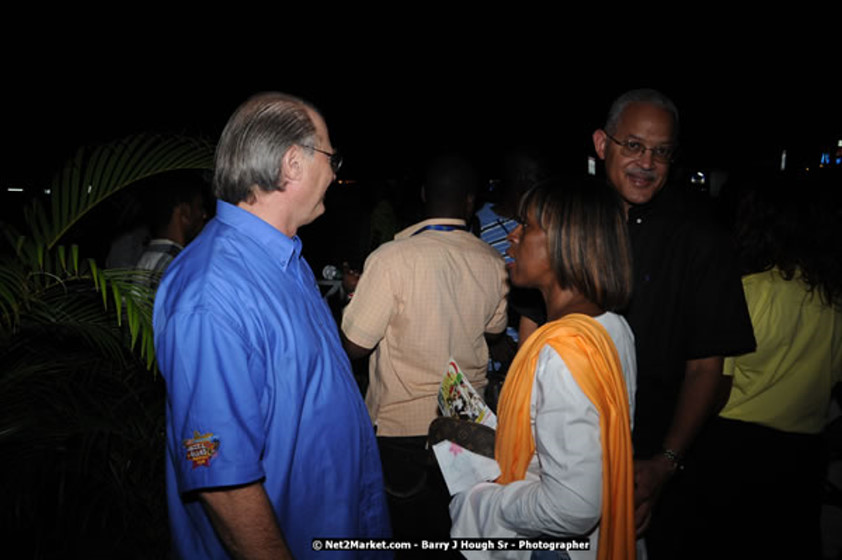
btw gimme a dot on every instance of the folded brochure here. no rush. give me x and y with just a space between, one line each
457 398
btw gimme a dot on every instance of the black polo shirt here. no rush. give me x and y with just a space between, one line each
687 303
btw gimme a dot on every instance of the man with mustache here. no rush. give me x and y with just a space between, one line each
687 312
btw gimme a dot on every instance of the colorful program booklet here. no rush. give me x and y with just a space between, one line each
461 468
458 399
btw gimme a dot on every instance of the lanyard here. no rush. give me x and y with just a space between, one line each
441 227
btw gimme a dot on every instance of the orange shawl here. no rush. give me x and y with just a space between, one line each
589 353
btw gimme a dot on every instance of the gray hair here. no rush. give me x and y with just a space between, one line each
649 96
255 140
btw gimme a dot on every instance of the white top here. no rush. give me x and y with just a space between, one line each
561 494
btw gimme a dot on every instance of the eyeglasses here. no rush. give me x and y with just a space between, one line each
634 148
335 157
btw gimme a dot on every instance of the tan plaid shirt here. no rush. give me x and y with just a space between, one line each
423 298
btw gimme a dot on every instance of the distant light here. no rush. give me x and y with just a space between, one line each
783 160
89 189
825 159
14 189
47 191
591 165
839 143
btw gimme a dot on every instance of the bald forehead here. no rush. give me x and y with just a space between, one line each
640 118
319 124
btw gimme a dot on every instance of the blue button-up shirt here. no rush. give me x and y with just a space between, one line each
260 389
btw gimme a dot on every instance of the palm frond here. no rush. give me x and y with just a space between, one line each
133 294
12 293
94 174
81 421
45 304
71 316
83 446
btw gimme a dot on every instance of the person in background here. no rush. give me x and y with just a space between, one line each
687 312
522 168
176 208
430 295
763 455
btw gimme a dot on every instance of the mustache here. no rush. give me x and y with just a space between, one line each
648 174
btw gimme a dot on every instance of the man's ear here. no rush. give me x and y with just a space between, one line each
599 139
292 164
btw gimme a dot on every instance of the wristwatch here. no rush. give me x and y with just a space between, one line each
674 458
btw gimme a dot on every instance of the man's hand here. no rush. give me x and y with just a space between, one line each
650 475
700 398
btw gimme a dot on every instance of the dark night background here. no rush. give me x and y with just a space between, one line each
386 113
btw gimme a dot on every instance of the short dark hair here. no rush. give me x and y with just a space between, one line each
448 182
164 192
255 140
587 237
648 96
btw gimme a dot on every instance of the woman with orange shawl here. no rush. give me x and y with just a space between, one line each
564 431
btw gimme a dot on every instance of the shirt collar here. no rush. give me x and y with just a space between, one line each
281 248
408 232
164 241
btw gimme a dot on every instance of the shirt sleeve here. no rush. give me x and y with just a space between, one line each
365 319
565 497
215 393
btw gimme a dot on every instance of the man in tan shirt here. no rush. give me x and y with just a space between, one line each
431 294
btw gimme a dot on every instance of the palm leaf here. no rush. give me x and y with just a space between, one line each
81 421
83 446
94 174
12 290
132 290
70 314
90 177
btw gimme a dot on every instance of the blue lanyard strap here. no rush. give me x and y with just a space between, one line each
441 227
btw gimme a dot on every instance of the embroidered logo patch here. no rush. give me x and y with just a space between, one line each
201 448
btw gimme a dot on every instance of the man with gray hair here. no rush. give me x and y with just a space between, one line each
687 312
269 445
